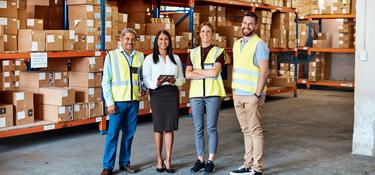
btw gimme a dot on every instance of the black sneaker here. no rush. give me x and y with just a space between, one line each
198 167
245 171
209 168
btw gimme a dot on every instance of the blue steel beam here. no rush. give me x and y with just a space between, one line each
66 21
102 14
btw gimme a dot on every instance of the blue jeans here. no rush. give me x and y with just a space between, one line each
125 119
212 107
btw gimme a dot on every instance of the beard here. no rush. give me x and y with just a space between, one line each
249 33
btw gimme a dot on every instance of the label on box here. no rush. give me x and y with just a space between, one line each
183 94
21 115
340 27
343 11
90 23
92 60
17 73
6 74
98 119
50 38
3 4
141 105
2 122
6 62
20 96
18 62
303 33
219 19
61 110
34 46
17 84
90 39
5 38
49 127
137 26
71 34
30 22
89 8
108 38
108 9
77 107
3 21
91 76
108 24
6 85
142 38
97 15
57 75
178 38
313 74
211 8
42 76
341 42
124 17
91 91
64 93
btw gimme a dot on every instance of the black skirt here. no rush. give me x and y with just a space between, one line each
165 105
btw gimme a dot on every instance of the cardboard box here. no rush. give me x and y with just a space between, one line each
20 65
56 113
23 116
60 79
283 82
34 24
31 40
87 42
10 42
81 12
85 80
88 94
36 79
58 65
11 25
85 27
206 9
6 115
141 17
57 96
20 99
95 109
83 2
8 8
54 42
80 111
87 64
8 65
138 27
129 7
7 76
231 31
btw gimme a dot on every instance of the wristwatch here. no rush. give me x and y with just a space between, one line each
257 96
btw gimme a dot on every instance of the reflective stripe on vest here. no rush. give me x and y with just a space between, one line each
125 77
213 86
245 73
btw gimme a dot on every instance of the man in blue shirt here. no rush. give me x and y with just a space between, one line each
121 89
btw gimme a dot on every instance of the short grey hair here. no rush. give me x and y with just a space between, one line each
128 30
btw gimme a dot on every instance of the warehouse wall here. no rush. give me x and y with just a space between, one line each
364 102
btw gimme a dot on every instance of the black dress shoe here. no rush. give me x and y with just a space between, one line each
128 169
170 170
106 172
160 170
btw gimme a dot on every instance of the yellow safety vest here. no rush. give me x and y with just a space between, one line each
125 76
209 86
245 73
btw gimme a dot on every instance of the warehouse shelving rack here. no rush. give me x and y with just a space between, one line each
311 50
41 126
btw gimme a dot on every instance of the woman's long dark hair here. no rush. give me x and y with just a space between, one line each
155 52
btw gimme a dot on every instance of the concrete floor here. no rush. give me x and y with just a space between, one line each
311 134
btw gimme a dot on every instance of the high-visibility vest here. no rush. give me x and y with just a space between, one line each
209 86
125 76
245 73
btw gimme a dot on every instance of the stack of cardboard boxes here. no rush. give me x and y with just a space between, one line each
8 24
291 29
278 31
21 110
346 33
319 67
111 25
10 73
336 7
283 74
86 78
139 13
324 40
302 34
264 20
183 30
84 19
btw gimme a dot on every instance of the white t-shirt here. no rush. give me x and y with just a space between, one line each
152 71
